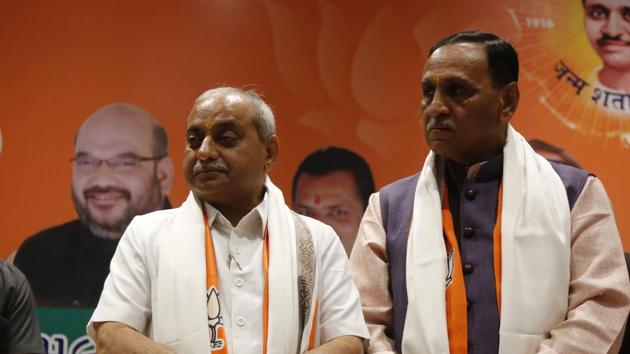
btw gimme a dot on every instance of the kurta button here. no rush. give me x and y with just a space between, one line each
238 282
469 232
468 268
471 194
240 321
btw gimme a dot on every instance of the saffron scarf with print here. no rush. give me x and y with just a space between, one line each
534 243
290 290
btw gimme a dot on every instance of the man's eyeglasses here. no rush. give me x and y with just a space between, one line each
117 164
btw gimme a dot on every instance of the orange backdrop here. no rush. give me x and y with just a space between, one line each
335 72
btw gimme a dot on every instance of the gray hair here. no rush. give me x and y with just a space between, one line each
263 117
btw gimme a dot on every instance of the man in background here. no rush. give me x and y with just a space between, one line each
553 153
607 26
333 185
120 170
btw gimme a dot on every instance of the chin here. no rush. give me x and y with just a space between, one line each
207 196
107 219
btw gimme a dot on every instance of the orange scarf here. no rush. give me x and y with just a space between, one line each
456 302
218 338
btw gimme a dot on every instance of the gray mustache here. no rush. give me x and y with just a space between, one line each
214 166
439 123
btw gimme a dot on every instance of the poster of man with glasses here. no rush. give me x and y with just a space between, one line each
120 169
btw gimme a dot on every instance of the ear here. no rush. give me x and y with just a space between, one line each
164 173
271 152
510 97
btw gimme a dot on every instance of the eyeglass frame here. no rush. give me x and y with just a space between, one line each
109 164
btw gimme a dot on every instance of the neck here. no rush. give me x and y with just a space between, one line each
100 232
468 161
492 146
234 212
611 77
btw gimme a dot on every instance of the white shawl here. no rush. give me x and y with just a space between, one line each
185 311
535 252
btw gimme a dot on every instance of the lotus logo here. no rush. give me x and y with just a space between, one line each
215 320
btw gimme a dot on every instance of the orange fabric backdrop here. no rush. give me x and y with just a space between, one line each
342 73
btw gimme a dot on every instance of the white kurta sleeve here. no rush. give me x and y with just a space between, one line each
340 307
127 291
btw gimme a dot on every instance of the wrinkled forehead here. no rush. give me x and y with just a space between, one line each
115 134
339 183
228 104
463 60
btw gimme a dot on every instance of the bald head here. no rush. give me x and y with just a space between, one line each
120 168
119 121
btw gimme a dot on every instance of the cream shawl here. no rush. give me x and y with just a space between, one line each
535 252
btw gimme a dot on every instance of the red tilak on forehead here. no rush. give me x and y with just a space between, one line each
318 199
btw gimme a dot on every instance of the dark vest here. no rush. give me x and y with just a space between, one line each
473 226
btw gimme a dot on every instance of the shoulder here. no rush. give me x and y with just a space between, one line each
400 186
150 228
51 240
573 179
10 275
155 218
324 236
318 228
12 282
396 199
154 221
55 233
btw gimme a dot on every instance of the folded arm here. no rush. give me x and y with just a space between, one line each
118 338
343 344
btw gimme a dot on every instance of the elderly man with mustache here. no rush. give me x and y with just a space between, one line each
233 269
490 248
120 170
607 26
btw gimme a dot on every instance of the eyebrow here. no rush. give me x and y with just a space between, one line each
448 80
334 206
225 123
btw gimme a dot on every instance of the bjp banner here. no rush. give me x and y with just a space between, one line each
340 73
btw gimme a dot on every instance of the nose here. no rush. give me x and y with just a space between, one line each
103 176
437 106
615 24
208 150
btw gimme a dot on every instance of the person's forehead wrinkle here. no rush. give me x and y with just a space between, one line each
446 79
224 122
459 56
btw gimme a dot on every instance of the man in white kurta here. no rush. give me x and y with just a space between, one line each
154 299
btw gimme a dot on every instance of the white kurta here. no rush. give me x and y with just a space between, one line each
157 283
